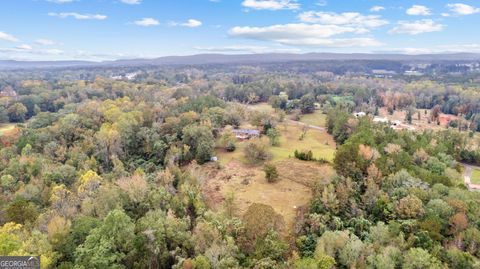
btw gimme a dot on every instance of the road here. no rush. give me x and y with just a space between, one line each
308 125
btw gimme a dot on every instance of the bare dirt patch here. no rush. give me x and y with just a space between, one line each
249 185
419 123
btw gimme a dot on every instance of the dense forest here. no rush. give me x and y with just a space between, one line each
99 172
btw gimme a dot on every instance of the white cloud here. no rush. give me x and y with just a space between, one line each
131 2
322 3
463 9
147 22
416 27
347 18
418 10
302 34
78 16
6 37
192 23
271 4
24 47
53 51
44 42
377 8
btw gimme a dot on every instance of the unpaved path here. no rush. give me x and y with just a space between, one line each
308 125
467 178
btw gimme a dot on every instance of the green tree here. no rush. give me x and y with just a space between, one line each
274 136
259 221
17 112
200 140
110 245
165 238
271 173
307 104
21 211
227 140
418 258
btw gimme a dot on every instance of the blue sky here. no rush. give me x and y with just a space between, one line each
115 29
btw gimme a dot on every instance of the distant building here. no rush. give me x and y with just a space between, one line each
382 73
360 114
413 73
246 133
395 124
127 76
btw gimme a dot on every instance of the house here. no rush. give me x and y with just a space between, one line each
360 114
246 133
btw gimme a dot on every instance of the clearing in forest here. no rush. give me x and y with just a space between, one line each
317 118
248 184
232 174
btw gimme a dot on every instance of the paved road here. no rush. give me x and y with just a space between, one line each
308 125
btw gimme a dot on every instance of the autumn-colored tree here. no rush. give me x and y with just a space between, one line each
410 207
458 223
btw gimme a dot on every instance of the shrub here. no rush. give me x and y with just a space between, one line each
230 146
271 173
257 152
304 155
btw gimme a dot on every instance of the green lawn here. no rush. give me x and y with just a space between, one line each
317 119
320 143
262 107
475 176
6 127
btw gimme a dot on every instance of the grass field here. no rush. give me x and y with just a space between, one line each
317 119
264 107
320 143
475 176
7 128
248 183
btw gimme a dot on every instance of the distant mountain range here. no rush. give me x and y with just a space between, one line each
241 59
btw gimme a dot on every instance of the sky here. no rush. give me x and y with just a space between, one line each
120 29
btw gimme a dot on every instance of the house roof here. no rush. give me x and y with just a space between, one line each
246 131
